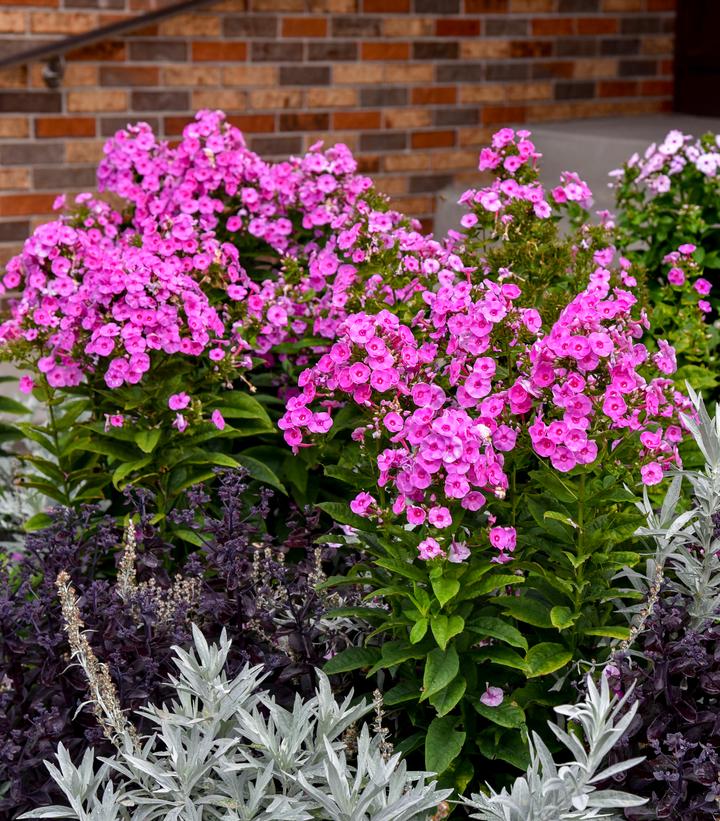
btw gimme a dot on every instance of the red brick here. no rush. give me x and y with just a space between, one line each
666 67
661 5
449 27
656 88
21 205
175 125
597 25
219 52
486 6
386 6
106 50
433 139
531 48
65 127
552 26
503 114
254 123
356 119
437 95
310 121
304 27
617 88
385 51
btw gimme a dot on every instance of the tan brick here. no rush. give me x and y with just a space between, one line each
249 75
452 160
277 98
326 6
331 97
65 22
12 22
192 76
417 161
484 49
80 74
7 252
402 73
357 73
407 117
474 136
589 69
14 77
555 111
229 99
85 151
414 205
194 25
529 91
656 45
486 93
333 138
532 6
14 126
408 26
393 185
13 179
624 5
104 100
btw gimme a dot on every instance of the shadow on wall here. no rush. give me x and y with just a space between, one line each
593 148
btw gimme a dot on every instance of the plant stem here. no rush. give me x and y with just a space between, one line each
56 443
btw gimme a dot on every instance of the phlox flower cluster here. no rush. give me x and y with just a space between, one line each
683 269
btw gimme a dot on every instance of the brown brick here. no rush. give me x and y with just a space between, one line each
12 22
450 27
190 75
530 48
229 99
82 151
111 50
129 76
541 71
160 100
254 123
304 27
455 116
13 126
574 90
661 5
503 114
622 5
332 51
331 97
356 119
617 88
276 146
433 139
14 179
333 6
439 7
437 95
483 49
429 183
63 178
656 88
14 231
359 74
397 118
243 25
190 25
597 25
435 50
165 51
360 26
637 68
40 102
219 52
386 6
22 205
381 97
553 26
304 75
52 22
461 72
383 141
312 121
275 99
250 75
65 127
385 51
272 51
486 6
507 27
271 5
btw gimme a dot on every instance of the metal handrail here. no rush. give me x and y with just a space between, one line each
47 51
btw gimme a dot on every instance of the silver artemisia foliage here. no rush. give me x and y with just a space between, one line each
224 750
567 792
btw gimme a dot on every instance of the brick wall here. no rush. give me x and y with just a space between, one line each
414 87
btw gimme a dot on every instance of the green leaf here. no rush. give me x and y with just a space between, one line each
448 697
526 609
239 405
8 405
37 522
546 658
402 692
189 536
442 744
503 656
260 471
441 667
418 631
126 469
562 617
498 629
146 440
610 632
445 589
559 517
446 627
340 512
394 653
507 714
353 658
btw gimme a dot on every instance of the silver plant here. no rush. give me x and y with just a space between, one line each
224 750
567 792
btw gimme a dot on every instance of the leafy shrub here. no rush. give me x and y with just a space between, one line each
138 603
549 792
224 747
